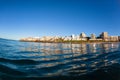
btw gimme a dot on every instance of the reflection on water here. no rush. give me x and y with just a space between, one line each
76 55
60 59
59 48
54 51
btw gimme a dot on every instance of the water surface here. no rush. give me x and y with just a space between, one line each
59 61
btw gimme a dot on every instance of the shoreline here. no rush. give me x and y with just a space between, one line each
73 42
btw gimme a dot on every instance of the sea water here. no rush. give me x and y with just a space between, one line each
59 61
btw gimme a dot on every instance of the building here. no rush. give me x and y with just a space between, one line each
104 36
76 38
119 38
31 39
83 35
114 38
67 38
72 37
93 37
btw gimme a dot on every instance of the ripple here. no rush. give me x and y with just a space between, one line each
26 60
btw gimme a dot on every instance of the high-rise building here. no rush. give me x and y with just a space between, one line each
104 36
93 36
83 35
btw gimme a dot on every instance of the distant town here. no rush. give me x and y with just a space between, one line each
103 37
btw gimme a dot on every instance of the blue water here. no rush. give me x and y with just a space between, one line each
59 61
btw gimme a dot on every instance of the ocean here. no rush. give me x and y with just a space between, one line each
59 61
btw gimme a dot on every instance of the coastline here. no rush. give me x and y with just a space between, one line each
78 39
72 42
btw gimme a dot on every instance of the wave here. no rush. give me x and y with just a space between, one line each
103 73
18 61
9 71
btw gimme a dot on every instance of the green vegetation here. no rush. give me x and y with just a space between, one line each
72 41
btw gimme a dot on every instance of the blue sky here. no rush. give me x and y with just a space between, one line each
24 18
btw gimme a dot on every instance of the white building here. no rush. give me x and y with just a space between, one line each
114 38
67 38
83 35
104 36
93 37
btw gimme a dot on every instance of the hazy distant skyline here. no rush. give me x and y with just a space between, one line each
24 18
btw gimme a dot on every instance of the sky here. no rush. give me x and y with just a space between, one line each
36 18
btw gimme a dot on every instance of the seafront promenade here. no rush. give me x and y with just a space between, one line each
82 38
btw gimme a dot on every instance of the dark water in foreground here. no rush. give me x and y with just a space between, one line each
57 61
